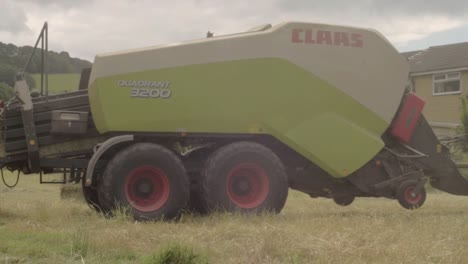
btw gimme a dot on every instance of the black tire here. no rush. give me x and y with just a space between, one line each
245 177
344 200
146 178
406 197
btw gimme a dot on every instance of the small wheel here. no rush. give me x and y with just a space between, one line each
406 196
343 200
147 179
245 177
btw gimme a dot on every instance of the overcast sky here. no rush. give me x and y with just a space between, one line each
86 27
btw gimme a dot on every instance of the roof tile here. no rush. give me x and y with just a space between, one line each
438 58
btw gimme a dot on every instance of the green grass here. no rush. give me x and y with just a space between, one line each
59 83
38 226
175 254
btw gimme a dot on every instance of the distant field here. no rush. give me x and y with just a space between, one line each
37 226
59 83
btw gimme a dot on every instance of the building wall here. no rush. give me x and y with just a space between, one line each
442 132
443 110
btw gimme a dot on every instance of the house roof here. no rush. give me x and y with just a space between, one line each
409 54
437 58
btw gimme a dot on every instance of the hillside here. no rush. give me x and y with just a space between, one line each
58 62
64 69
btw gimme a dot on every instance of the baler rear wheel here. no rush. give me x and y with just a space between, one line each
246 177
343 200
406 196
148 180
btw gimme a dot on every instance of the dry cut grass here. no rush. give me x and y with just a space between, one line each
38 226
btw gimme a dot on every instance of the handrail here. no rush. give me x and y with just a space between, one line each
44 39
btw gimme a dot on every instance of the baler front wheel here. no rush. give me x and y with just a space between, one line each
148 180
408 198
245 177
343 200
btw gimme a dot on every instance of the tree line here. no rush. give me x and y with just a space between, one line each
13 59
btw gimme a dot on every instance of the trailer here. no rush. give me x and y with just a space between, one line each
232 122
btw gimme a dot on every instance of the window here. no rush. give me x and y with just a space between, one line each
447 83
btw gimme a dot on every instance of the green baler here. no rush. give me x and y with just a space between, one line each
232 122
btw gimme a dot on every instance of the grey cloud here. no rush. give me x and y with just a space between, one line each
59 3
87 27
385 7
13 18
454 7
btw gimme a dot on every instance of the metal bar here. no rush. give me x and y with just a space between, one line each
27 115
41 181
404 156
25 68
56 104
49 140
64 163
415 150
61 95
41 117
46 63
417 175
42 66
462 165
19 132
64 103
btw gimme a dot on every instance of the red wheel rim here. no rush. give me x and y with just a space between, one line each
410 197
247 185
147 188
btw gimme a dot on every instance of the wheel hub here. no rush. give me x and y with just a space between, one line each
144 188
247 185
147 188
242 187
411 196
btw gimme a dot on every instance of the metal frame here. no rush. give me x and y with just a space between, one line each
418 153
23 95
42 181
414 175
74 167
44 39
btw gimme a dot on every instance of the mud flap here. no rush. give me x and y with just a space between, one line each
444 174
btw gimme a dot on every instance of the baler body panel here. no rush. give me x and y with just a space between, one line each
328 92
249 96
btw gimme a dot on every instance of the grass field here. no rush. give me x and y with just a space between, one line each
38 226
59 83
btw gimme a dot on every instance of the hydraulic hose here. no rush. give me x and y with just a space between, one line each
8 185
